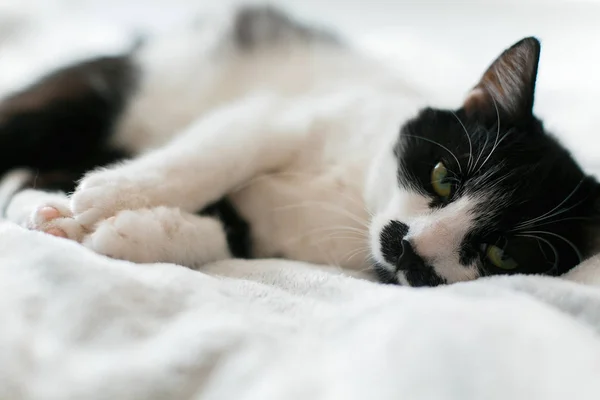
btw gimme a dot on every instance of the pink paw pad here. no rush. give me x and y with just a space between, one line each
56 232
49 213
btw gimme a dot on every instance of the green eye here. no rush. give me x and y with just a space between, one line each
497 257
438 180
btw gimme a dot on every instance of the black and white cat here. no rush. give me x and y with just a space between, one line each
295 146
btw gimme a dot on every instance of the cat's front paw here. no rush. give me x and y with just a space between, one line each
137 236
102 194
56 219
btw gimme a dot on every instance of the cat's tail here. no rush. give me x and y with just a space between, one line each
258 27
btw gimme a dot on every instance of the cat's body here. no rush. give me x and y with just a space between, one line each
322 95
299 135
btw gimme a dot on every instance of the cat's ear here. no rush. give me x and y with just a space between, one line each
508 85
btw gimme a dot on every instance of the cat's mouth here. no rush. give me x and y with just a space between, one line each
423 275
384 275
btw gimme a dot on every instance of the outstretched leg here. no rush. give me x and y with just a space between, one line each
146 235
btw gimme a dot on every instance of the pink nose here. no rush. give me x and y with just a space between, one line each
433 240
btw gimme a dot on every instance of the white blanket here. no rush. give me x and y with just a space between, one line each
75 325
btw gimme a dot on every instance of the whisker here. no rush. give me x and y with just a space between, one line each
357 200
343 228
369 267
356 238
487 138
329 258
328 207
556 257
575 249
496 146
470 143
438 144
361 235
534 225
354 253
497 133
546 216
538 241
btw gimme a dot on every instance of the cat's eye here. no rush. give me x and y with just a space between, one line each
439 182
499 258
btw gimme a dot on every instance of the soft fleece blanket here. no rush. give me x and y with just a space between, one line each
75 325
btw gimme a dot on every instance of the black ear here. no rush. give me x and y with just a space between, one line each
508 85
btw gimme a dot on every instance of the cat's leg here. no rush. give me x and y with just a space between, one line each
159 234
213 157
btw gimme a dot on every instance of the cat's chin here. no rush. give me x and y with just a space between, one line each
384 275
421 277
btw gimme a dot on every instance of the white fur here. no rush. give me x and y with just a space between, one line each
437 237
160 234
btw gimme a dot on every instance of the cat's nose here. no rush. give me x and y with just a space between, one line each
390 240
409 260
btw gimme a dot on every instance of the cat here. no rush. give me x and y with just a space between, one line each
292 144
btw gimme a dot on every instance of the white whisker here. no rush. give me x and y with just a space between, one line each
497 133
546 216
556 257
534 225
482 150
335 236
361 236
438 144
575 249
328 207
341 228
470 143
356 200
356 252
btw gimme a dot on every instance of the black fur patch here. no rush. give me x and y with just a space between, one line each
423 276
384 275
236 228
391 241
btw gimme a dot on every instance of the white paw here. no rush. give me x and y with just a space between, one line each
160 234
102 194
137 236
56 219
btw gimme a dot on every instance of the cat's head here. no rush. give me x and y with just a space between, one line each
484 189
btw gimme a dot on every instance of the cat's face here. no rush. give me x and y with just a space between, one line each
484 190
